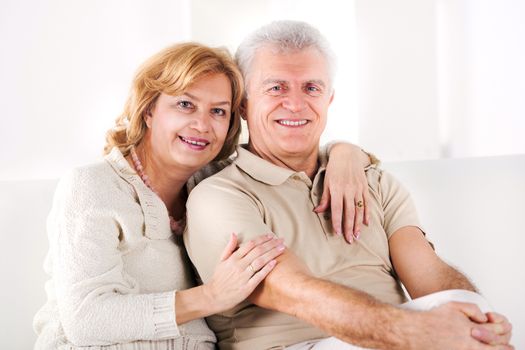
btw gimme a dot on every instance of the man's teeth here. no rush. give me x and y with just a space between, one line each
197 143
292 123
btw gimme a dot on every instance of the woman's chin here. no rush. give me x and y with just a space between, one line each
194 161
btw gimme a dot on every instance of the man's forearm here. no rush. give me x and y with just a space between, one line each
453 279
348 314
419 268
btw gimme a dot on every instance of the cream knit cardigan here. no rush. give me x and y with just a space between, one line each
114 266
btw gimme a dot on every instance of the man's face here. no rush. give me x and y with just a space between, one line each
288 99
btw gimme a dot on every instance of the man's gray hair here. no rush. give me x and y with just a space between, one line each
284 36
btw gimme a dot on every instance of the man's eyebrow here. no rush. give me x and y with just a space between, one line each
316 81
280 81
214 103
273 81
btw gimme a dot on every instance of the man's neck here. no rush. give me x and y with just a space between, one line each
308 163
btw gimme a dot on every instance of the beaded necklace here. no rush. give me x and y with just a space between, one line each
177 227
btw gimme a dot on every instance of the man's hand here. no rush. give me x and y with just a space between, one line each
450 326
496 331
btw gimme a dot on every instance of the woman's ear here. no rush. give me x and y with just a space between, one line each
148 115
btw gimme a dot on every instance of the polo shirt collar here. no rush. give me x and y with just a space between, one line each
261 169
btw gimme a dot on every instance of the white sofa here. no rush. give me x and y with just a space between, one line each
472 209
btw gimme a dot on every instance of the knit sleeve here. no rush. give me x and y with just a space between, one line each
98 303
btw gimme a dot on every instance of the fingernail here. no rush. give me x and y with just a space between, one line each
272 263
280 247
357 234
270 235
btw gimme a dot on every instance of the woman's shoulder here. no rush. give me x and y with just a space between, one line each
92 175
93 183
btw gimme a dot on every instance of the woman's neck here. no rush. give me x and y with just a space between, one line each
169 183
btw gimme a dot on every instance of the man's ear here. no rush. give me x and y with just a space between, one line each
243 109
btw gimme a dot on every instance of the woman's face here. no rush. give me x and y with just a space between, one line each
188 131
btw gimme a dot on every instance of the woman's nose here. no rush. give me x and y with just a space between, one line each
201 122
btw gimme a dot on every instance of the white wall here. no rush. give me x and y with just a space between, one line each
66 67
441 78
397 85
496 75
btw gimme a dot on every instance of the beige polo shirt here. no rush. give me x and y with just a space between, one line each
251 197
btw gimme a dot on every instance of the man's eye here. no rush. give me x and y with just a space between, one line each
276 88
218 111
313 90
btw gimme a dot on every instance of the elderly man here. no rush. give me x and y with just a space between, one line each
352 292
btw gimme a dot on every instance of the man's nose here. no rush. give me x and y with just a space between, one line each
294 101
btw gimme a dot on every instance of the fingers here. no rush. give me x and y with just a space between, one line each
497 331
262 254
230 247
472 311
349 219
245 248
366 214
349 212
261 274
360 206
504 324
492 334
354 217
336 206
325 199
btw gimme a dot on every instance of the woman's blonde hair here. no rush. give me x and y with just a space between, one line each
172 71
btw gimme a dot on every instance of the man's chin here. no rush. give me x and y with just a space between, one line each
297 149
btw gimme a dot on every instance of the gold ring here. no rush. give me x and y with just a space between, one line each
359 204
251 269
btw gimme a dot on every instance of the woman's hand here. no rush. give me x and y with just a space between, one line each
241 270
345 190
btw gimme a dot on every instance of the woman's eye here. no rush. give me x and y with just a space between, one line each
185 104
218 111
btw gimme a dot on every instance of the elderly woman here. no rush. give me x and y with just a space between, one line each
120 278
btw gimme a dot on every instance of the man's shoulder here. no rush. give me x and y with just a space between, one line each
377 176
224 172
224 184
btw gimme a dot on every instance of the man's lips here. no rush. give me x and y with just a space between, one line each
292 122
